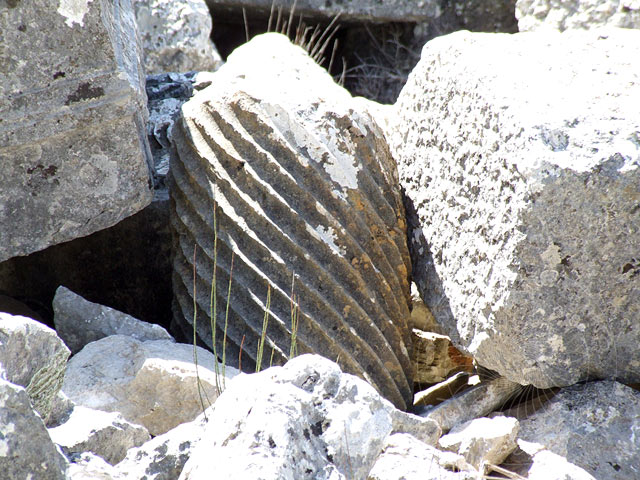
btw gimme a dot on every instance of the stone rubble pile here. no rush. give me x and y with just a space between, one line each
475 240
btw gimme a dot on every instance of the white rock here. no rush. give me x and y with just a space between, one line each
26 450
565 14
175 35
79 321
405 457
150 383
483 441
521 156
105 434
32 356
88 466
306 420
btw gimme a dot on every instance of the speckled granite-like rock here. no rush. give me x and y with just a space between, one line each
520 155
73 149
304 187
175 36
567 14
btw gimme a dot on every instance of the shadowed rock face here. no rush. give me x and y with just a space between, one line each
306 201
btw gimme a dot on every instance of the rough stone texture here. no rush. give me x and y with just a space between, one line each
522 172
72 122
61 409
79 322
435 358
166 93
150 383
105 434
483 442
535 462
32 356
593 426
570 14
472 403
306 420
486 15
300 184
26 451
163 457
405 457
175 36
88 466
361 10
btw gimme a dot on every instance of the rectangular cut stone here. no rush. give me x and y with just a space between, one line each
73 147
520 155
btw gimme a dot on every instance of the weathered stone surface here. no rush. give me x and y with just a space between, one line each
163 457
79 322
306 420
472 403
105 434
435 358
72 122
405 457
175 35
32 356
593 426
486 15
523 173
150 383
26 451
535 462
61 409
88 466
166 93
568 14
305 198
362 10
483 442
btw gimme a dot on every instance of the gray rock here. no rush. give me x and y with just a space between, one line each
535 462
163 457
361 10
61 409
405 457
79 322
483 442
569 14
523 173
32 356
72 107
151 383
107 435
306 420
26 450
306 201
593 426
175 36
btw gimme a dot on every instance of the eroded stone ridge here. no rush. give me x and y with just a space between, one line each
306 200
520 155
72 122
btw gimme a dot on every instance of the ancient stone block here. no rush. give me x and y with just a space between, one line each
72 122
303 192
520 155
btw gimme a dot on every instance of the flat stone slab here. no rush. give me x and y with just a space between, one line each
73 148
520 155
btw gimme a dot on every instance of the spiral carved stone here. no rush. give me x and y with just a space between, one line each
306 199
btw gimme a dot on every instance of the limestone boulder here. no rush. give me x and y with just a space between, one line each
403 456
27 449
175 36
73 149
593 426
483 442
520 158
105 434
285 204
152 383
306 420
34 357
79 322
572 14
